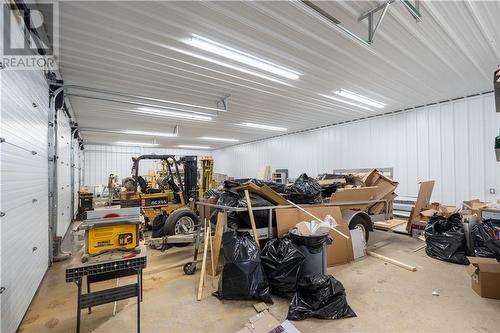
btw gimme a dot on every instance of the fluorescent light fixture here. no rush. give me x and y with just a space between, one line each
346 102
359 98
218 139
193 147
265 127
241 57
162 134
172 114
129 143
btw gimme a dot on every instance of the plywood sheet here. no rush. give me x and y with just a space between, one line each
423 199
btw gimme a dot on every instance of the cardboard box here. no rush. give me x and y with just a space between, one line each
475 205
423 200
354 194
340 252
418 229
265 322
485 276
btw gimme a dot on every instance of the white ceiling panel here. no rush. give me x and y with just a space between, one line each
140 48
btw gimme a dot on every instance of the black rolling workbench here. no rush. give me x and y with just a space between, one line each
107 266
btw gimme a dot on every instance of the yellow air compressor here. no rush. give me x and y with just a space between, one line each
112 232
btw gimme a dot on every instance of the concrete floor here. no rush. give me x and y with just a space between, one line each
384 297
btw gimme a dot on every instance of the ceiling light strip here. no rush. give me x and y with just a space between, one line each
209 138
264 127
130 143
171 114
359 98
193 147
346 102
241 57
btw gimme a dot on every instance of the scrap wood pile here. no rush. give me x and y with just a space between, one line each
370 186
453 234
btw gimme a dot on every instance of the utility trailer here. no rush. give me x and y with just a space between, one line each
355 220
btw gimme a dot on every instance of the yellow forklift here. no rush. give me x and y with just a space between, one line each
168 205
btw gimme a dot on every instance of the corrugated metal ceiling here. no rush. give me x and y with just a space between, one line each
138 47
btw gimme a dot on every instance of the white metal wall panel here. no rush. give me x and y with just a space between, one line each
101 160
24 191
450 142
64 214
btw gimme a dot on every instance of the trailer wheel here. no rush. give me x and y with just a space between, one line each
181 221
357 222
189 268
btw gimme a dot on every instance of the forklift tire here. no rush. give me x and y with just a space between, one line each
157 226
172 224
358 222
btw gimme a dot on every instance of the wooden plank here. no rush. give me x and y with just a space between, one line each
423 199
219 230
265 192
252 218
268 193
392 261
203 263
389 224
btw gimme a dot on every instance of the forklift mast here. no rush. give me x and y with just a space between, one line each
190 164
188 186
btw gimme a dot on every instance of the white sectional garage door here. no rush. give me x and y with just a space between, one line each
64 169
76 174
24 191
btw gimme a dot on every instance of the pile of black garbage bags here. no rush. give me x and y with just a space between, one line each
305 190
446 239
249 273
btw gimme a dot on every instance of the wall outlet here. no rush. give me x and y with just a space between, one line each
492 191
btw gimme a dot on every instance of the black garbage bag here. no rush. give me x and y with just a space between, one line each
279 188
319 296
486 240
230 199
305 190
242 276
445 239
261 216
282 260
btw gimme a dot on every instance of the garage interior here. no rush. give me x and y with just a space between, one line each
261 166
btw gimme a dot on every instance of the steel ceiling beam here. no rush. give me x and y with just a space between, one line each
155 106
370 15
372 28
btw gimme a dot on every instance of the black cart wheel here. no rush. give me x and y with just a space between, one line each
189 268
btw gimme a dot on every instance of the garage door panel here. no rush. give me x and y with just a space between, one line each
24 192
64 215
